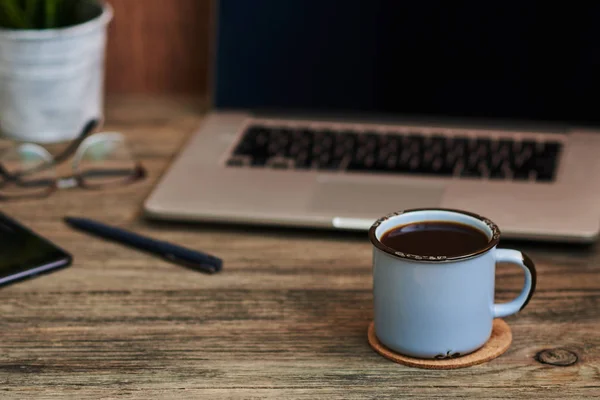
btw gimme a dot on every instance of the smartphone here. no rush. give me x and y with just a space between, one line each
24 254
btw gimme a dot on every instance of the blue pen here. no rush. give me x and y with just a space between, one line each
179 255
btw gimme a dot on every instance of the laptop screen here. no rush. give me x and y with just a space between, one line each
501 60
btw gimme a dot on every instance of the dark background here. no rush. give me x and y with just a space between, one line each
522 60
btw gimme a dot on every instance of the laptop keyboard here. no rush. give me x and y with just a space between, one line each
396 153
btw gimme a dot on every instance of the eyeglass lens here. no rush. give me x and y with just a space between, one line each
26 157
104 159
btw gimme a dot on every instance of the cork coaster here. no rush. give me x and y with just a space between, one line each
499 342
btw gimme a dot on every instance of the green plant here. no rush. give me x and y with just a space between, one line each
44 14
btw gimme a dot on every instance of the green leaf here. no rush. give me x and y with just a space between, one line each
64 12
30 7
13 16
50 13
44 14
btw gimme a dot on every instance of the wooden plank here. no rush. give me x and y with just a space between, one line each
286 318
158 46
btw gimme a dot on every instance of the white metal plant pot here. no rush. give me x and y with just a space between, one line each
52 80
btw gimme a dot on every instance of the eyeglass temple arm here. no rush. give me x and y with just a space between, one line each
87 129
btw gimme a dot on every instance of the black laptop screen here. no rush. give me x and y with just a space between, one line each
505 59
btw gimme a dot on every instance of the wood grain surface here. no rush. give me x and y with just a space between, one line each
158 46
286 318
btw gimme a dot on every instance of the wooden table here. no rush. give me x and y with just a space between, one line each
286 318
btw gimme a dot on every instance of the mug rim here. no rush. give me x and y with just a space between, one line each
419 258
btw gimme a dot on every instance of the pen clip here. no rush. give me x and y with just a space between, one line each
204 267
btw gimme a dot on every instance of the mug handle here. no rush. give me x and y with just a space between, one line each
523 261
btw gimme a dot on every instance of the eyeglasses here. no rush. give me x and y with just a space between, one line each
99 160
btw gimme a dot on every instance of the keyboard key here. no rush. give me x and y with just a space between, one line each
415 143
324 139
368 141
304 136
344 144
523 166
545 170
303 160
244 148
297 148
262 137
471 172
389 142
277 149
505 147
521 175
528 146
414 163
552 148
458 145
280 163
259 161
437 144
501 171
439 166
482 146
238 161
475 167
396 153
546 160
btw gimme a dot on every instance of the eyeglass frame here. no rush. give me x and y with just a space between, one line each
139 171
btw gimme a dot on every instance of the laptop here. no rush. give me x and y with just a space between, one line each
329 115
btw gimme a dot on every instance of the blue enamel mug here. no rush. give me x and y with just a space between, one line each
439 306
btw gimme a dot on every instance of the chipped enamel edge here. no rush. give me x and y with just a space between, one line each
415 257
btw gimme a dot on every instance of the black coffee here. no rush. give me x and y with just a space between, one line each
435 238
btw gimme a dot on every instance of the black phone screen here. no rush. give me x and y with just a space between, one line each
24 254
